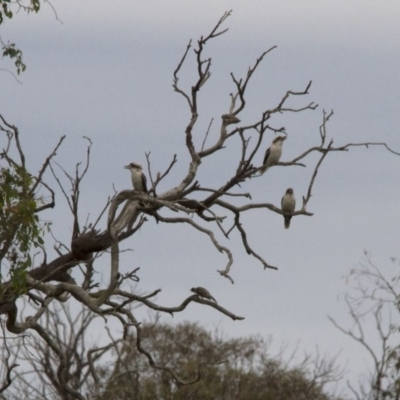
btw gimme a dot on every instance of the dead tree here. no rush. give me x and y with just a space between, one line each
194 205
373 305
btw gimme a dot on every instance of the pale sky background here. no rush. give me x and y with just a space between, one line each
106 72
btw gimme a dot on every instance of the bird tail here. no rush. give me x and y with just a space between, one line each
287 221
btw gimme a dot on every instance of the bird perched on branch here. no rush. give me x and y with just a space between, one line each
288 205
139 180
202 292
273 153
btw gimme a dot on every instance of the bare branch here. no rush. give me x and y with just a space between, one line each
206 135
249 250
221 249
17 141
176 79
242 85
46 164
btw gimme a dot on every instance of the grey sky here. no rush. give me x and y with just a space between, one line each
106 73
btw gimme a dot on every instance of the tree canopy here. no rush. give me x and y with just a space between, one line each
239 368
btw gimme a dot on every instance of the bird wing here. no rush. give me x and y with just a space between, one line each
202 292
212 298
144 183
205 293
267 153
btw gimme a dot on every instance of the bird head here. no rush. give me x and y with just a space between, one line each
279 139
133 166
289 191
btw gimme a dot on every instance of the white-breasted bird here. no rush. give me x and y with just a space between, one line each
139 180
202 292
288 204
273 153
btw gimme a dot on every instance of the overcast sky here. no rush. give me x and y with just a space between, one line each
106 72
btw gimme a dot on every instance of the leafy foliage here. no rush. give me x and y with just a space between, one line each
9 49
5 10
20 228
231 369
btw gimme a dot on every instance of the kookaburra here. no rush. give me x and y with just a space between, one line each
273 153
138 177
288 204
202 292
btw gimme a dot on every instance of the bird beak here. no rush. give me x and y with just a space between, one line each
127 166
